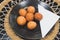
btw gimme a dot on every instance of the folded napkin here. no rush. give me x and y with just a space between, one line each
48 21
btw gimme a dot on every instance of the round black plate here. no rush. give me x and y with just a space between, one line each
23 31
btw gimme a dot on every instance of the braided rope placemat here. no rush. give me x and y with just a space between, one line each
6 6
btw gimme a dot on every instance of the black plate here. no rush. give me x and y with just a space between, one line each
24 32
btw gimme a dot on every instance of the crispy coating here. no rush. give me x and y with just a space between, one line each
21 20
31 9
22 12
38 16
31 25
29 16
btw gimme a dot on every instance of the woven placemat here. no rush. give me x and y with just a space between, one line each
2 4
58 1
13 36
10 31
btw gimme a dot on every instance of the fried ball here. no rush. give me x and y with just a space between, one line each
38 16
22 12
29 16
31 25
21 20
31 9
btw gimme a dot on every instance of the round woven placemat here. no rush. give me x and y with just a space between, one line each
57 1
13 36
10 31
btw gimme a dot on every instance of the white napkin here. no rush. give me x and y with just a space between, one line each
48 21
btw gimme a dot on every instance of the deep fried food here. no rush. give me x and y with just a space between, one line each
31 9
38 16
21 20
29 16
31 25
22 12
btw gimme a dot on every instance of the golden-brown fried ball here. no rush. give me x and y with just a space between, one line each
38 16
22 12
29 16
31 25
31 9
21 20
